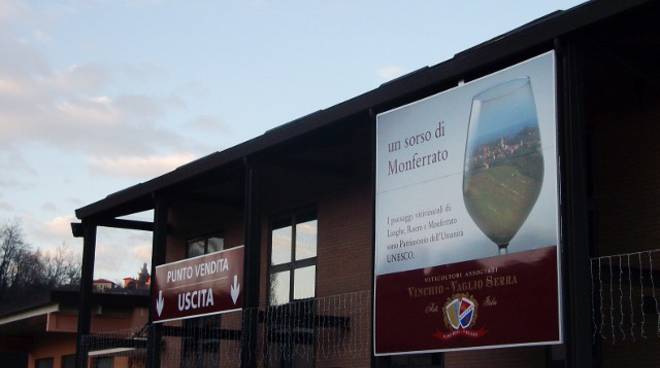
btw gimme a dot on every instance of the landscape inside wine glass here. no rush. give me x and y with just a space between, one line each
502 180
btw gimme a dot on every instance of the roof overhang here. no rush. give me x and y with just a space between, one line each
110 352
30 313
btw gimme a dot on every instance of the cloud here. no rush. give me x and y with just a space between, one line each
10 10
142 252
142 72
389 72
4 206
57 112
9 87
139 166
82 78
60 226
97 111
121 253
17 174
74 108
41 36
49 233
75 201
49 206
141 106
12 183
209 123
109 260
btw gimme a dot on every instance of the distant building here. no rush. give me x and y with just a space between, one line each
142 282
42 332
129 283
103 285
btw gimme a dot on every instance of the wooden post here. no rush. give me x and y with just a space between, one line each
86 282
574 193
252 231
158 254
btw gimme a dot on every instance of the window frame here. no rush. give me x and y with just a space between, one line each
205 238
64 358
96 361
292 218
46 360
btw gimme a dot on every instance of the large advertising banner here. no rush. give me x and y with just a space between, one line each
467 234
198 286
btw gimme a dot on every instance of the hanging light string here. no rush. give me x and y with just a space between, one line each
612 303
655 300
641 298
602 313
593 306
623 332
630 298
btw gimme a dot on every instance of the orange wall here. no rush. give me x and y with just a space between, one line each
109 322
60 337
52 346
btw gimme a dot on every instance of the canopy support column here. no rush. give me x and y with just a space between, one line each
573 153
86 281
158 254
251 272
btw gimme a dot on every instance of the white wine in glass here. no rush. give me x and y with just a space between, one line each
503 167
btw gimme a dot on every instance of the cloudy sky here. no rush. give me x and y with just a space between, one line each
99 95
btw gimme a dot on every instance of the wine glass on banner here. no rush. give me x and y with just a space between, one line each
503 167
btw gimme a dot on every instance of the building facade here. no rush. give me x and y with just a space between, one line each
301 199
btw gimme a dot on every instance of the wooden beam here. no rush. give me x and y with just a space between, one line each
77 230
110 342
127 224
311 166
206 199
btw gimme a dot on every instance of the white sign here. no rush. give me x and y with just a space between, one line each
467 217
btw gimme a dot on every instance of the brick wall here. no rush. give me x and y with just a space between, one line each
625 159
344 248
623 114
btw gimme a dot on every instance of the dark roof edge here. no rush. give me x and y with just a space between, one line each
70 297
532 34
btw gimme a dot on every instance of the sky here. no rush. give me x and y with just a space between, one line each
96 96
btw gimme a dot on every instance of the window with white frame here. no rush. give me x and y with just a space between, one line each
293 244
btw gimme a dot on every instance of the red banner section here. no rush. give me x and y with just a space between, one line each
203 285
500 301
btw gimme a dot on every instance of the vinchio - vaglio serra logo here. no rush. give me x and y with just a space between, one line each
460 315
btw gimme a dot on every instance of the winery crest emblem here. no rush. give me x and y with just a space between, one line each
460 311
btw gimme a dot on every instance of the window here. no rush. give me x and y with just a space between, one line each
290 326
204 245
43 363
103 362
293 258
69 361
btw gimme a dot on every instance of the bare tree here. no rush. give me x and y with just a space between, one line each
62 267
12 248
23 270
28 271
